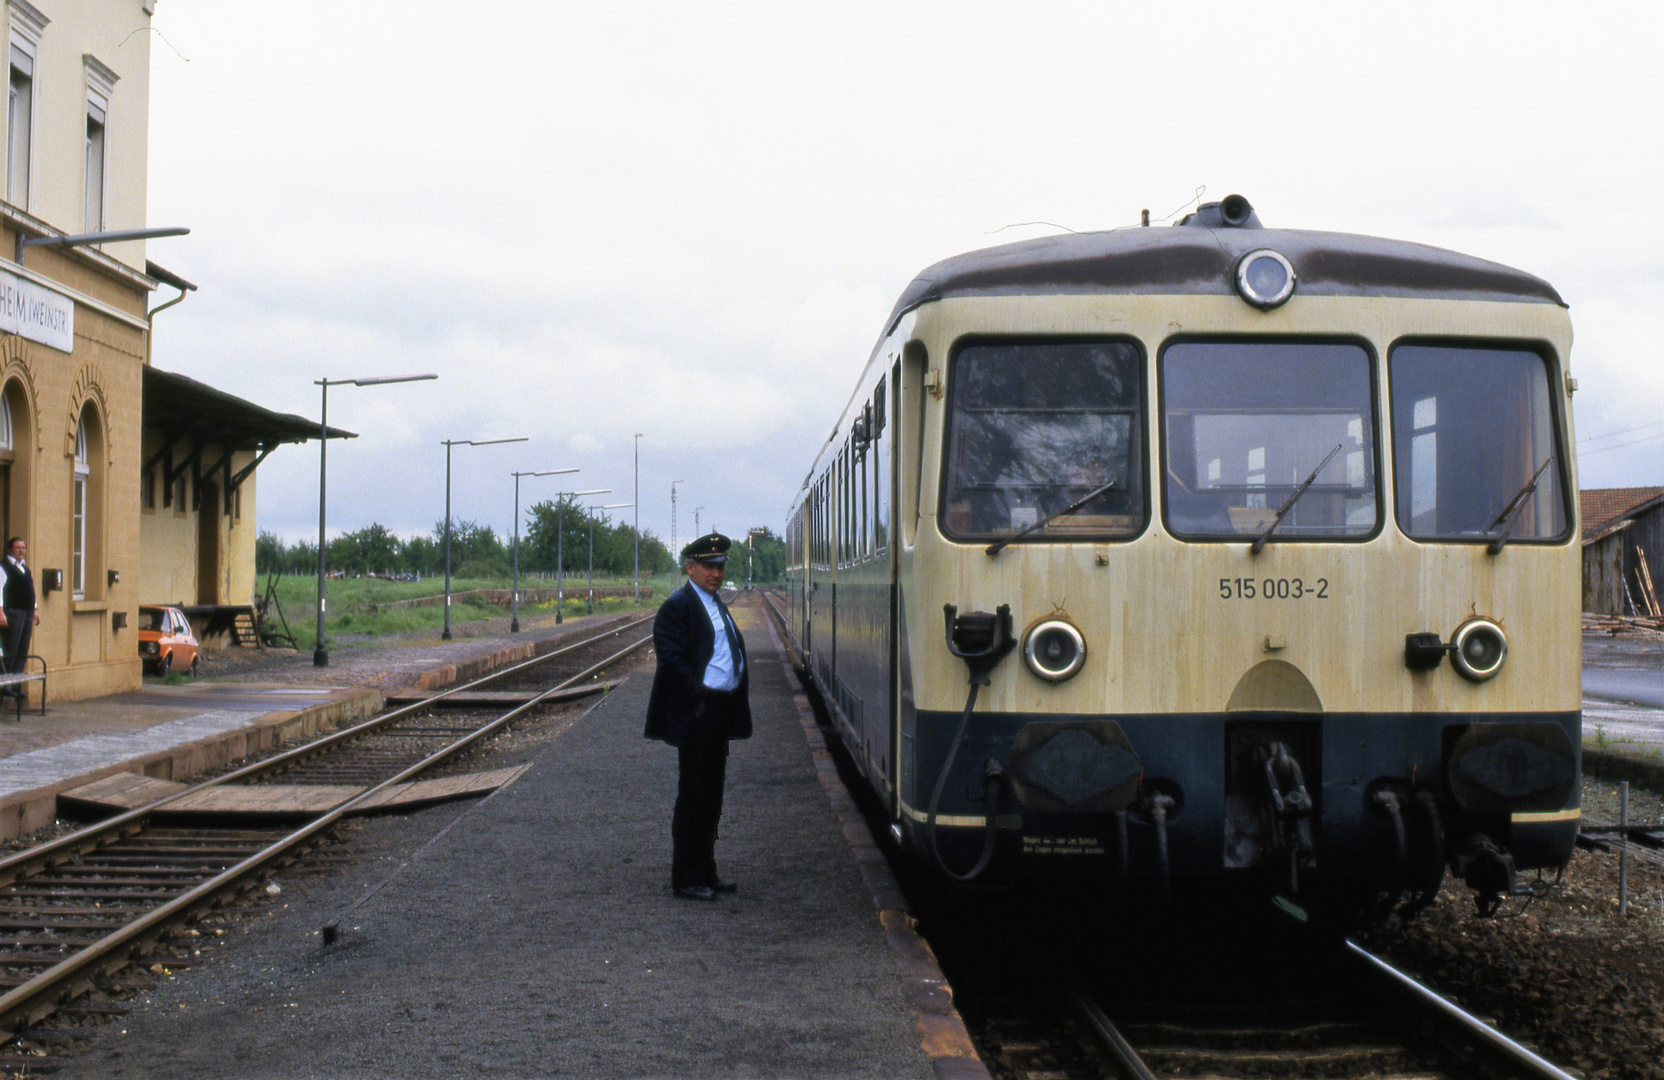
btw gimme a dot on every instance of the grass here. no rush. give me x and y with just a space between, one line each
350 600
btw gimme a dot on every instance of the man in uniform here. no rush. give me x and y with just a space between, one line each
19 614
699 701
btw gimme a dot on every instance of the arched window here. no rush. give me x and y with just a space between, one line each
15 459
78 508
7 456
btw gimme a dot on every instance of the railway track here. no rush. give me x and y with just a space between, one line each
1194 998
1365 1019
77 910
1642 842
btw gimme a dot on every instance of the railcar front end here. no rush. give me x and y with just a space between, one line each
1257 547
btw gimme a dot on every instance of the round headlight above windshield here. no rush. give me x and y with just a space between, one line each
1264 278
1054 650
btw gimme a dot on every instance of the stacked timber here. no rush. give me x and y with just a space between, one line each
1640 625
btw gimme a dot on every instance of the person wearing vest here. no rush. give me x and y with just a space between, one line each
18 614
700 700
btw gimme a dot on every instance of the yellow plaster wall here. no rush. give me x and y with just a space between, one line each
167 543
169 538
238 546
86 655
112 32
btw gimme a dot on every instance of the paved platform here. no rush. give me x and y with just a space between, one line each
535 934
268 699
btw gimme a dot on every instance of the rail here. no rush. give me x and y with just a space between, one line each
1327 1044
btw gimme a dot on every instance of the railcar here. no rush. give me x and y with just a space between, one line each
1204 556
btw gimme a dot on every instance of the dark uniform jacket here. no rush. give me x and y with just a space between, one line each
685 641
19 593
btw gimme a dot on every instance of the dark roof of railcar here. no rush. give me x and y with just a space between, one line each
1200 260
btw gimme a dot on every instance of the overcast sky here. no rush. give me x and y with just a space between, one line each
691 220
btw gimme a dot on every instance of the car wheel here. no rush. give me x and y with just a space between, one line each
196 665
164 665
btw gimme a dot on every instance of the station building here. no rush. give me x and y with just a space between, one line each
130 485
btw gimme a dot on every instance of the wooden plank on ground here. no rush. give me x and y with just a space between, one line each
126 791
440 789
489 698
265 799
121 791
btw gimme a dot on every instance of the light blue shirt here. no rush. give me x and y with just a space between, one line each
723 672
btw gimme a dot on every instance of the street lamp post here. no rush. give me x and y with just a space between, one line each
514 621
320 654
608 506
637 497
560 545
673 549
448 443
698 531
750 548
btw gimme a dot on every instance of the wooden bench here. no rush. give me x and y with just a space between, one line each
23 679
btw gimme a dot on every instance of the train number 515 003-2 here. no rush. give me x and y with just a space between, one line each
1273 589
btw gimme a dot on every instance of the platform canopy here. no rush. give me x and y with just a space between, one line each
201 428
181 407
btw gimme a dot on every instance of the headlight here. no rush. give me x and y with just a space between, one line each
1054 650
1481 648
1264 278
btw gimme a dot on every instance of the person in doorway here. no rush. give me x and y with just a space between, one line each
700 700
19 614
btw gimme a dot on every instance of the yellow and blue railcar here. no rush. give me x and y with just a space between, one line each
1204 554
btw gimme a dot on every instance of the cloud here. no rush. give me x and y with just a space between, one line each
594 220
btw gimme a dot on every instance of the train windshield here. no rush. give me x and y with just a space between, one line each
1476 453
1248 423
1035 426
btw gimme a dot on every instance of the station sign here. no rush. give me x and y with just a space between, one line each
37 313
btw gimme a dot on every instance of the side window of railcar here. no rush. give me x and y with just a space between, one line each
881 468
843 507
1036 426
1476 450
863 466
1248 422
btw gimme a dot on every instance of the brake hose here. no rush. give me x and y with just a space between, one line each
991 792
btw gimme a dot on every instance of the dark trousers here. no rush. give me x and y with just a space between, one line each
703 762
20 628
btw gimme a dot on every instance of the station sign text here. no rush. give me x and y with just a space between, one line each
36 313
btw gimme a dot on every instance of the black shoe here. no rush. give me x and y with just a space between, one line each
695 892
725 886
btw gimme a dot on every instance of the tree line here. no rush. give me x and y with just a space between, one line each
557 533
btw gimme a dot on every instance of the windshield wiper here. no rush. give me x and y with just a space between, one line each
1512 511
1288 503
994 548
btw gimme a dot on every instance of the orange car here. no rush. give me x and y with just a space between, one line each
166 641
